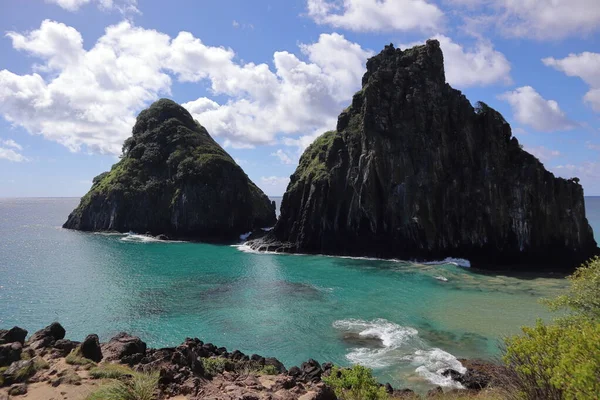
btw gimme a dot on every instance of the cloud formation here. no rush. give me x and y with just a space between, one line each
543 153
10 150
586 66
530 108
128 67
534 19
376 15
120 5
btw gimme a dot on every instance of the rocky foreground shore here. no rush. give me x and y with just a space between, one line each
47 366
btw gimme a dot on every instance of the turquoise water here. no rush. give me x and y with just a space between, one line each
397 317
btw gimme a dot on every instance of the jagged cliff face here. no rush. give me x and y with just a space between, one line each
413 171
173 179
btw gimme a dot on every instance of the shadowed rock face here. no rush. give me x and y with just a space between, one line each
173 179
413 171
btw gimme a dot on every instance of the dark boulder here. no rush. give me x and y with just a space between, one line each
64 346
174 180
47 337
311 371
12 335
10 353
435 392
324 392
414 171
388 388
18 390
90 348
18 371
123 345
481 374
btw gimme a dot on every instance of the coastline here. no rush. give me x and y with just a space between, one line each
48 363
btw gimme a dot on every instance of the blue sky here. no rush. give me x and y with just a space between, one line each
266 77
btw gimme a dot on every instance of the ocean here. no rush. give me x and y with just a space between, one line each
407 321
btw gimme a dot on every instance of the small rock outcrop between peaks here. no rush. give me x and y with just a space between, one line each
173 180
414 171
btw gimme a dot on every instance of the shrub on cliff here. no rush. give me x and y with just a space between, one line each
561 360
356 383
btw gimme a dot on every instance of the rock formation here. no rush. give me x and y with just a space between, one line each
193 370
175 180
413 171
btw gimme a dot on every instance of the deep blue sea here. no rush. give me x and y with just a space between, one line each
399 318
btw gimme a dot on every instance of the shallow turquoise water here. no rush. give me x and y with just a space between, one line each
286 306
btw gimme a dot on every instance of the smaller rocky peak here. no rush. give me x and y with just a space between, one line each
422 61
160 112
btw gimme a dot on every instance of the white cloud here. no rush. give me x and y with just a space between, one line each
376 15
588 172
531 109
586 66
12 143
275 180
536 19
11 154
128 67
296 97
543 153
90 97
283 157
479 65
120 5
273 185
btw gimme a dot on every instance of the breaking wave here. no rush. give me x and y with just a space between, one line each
459 262
399 345
137 238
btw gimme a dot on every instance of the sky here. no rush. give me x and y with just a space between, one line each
266 77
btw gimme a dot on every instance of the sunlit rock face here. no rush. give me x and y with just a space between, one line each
414 171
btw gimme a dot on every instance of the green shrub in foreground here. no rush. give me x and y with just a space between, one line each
561 360
356 383
138 387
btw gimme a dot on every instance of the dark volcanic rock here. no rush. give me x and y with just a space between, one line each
10 353
413 171
480 374
47 337
12 335
90 348
175 181
124 347
18 371
65 346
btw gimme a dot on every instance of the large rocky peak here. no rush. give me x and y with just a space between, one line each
173 179
413 171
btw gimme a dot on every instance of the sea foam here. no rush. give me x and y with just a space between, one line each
137 238
459 262
401 344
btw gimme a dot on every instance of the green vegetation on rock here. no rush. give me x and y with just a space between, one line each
110 371
138 386
173 179
75 358
313 163
356 383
